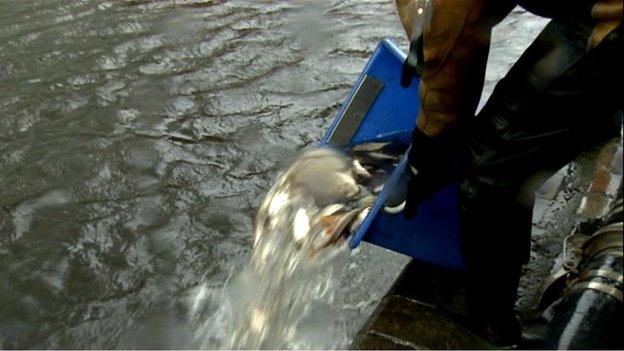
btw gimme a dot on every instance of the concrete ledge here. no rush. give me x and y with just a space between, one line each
407 319
371 341
408 323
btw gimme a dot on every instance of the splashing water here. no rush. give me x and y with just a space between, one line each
264 310
301 229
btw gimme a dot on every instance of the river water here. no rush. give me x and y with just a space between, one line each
137 139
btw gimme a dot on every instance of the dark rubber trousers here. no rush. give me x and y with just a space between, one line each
557 100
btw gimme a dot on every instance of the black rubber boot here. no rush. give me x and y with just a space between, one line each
496 229
454 296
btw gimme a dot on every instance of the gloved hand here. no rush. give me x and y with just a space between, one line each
429 168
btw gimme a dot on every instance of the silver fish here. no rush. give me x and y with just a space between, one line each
323 197
315 200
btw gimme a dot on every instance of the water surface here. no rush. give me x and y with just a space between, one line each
137 138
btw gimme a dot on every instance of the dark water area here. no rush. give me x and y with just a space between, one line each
137 138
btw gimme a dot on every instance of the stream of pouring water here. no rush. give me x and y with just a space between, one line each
280 300
274 308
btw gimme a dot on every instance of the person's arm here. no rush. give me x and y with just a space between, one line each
608 16
455 48
456 45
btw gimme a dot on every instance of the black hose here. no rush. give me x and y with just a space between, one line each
590 314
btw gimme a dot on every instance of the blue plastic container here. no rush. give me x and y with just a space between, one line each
389 114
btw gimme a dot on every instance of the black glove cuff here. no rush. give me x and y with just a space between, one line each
428 155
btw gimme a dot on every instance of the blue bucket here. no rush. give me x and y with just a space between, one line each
378 109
